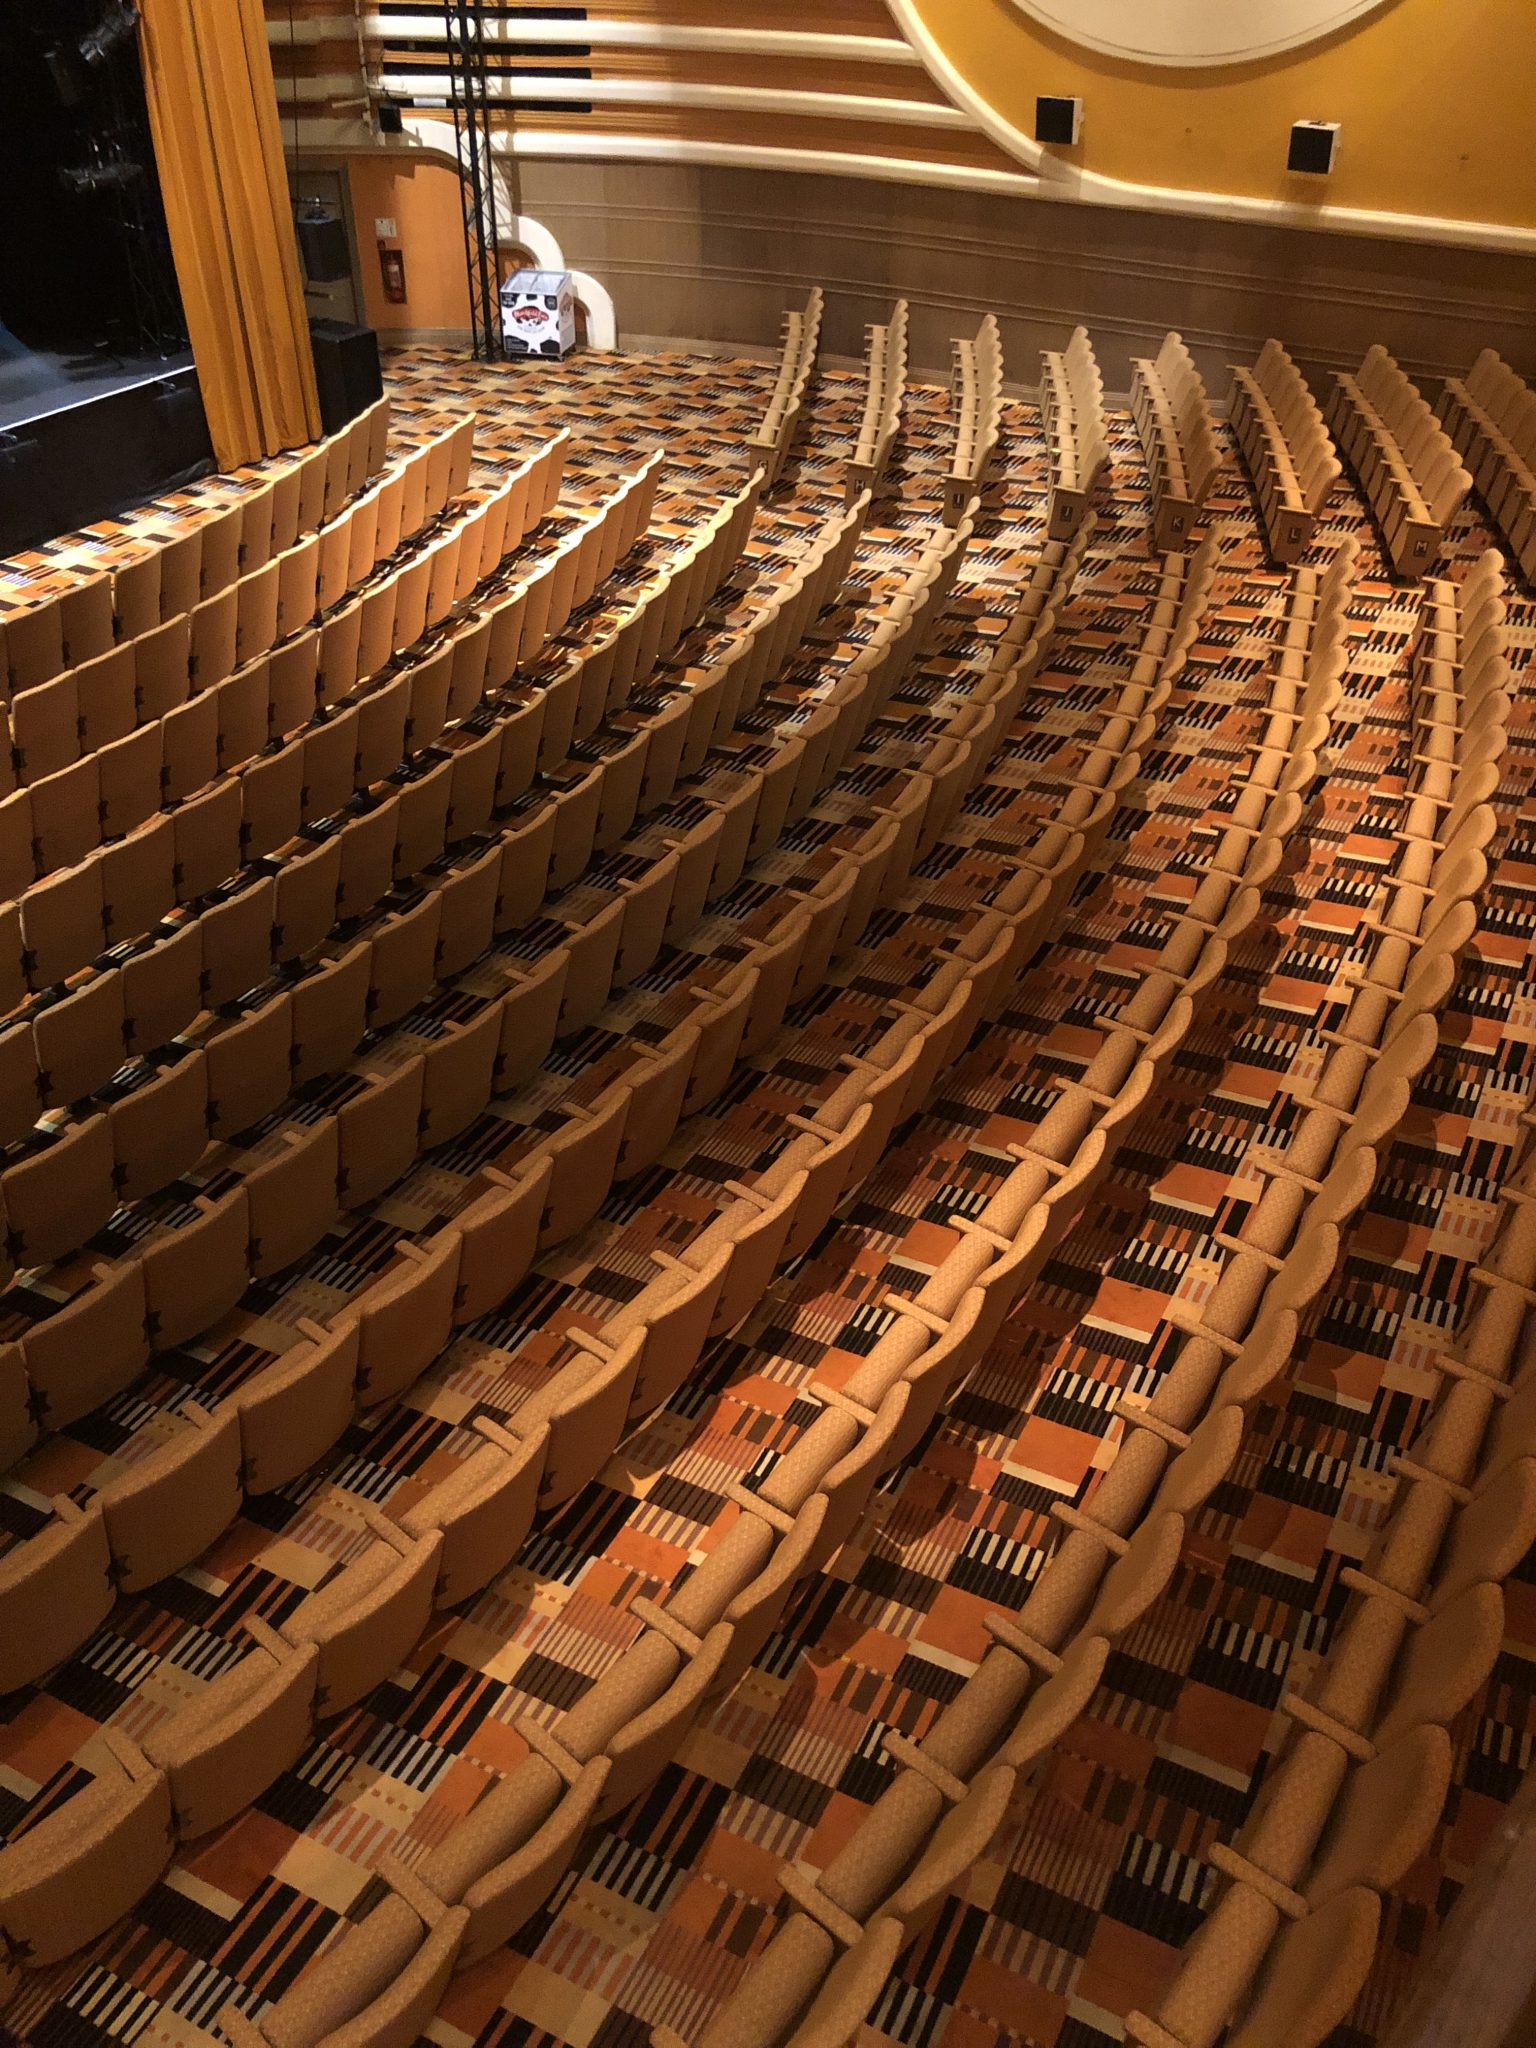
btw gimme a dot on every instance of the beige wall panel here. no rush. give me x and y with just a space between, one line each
717 254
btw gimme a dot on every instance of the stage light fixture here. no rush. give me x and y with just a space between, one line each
115 28
110 171
63 63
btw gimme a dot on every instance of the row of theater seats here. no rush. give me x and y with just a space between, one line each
709 701
299 857
1177 428
1357 1792
176 1283
1404 460
885 383
143 677
286 852
270 511
1490 415
947 1795
797 359
499 1863
976 389
1286 444
186 714
942 788
1076 430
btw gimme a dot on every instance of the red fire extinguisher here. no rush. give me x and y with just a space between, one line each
392 268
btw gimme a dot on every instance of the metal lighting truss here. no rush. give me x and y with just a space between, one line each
469 96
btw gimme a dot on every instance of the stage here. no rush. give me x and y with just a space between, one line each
36 383
99 405
84 436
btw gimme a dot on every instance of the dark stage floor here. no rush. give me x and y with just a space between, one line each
37 383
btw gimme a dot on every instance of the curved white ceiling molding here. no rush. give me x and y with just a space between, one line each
1195 31
1058 180
584 145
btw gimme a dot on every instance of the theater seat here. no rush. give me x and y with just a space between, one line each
404 953
368 1616
406 1317
62 924
584 1404
378 1131
757 1228
295 1410
237 943
674 1312
1314 1973
223 1749
584 1154
762 2011
756 1608
468 918
170 1505
65 1880
292 1196
530 1013
499 1230
483 1510
512 1890
375 1987
658 1082
60 1196
18 1425
195 1273
308 888
138 883
92 1347
644 1744
79 1041
248 1067
162 990
460 1065
271 801
721 1015
592 949
55 1588
330 1014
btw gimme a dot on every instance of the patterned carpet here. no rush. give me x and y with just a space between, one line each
1098 1876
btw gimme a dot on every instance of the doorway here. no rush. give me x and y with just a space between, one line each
336 298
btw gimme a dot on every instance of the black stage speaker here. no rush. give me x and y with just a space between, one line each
1312 147
346 370
391 120
1058 120
323 246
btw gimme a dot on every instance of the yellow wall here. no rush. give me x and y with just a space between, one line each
1434 97
422 199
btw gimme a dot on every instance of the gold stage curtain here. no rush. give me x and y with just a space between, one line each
213 110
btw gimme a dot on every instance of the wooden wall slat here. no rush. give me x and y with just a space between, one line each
775 131
696 67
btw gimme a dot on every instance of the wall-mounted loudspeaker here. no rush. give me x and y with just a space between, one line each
391 121
1313 147
1058 120
323 244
